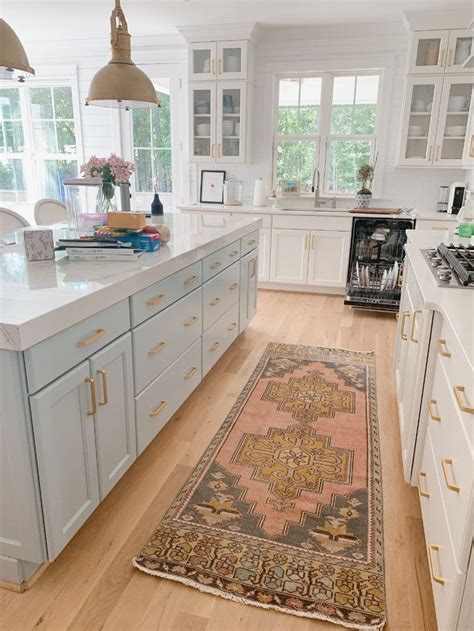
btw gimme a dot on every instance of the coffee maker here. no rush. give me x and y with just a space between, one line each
457 193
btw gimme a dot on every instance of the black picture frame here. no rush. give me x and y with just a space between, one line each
209 198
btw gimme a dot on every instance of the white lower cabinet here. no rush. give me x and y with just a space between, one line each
289 257
248 289
63 424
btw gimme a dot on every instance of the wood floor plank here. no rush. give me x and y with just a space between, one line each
92 585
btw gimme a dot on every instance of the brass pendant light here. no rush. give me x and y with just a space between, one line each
14 63
120 83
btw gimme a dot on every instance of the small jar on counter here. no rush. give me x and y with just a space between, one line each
233 188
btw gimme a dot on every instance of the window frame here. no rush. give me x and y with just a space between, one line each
48 77
325 137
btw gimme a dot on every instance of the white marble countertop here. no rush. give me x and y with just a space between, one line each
456 305
331 212
39 299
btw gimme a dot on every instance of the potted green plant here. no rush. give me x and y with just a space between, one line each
365 175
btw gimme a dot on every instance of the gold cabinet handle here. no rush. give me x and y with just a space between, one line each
219 152
458 391
155 301
443 349
213 67
213 146
191 373
422 486
450 57
105 388
436 153
159 408
252 242
92 339
214 347
313 238
233 286
219 65
431 404
93 409
216 265
232 326
403 335
437 579
448 462
412 335
191 321
192 279
306 241
214 302
254 268
442 55
234 253
430 153
157 350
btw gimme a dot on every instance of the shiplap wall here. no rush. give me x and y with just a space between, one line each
305 46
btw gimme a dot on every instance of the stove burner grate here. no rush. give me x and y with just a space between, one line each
461 260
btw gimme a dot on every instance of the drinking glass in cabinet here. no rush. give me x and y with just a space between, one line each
428 52
202 61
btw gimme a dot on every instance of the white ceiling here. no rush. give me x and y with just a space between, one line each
40 20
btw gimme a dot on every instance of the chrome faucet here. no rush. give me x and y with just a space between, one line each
315 189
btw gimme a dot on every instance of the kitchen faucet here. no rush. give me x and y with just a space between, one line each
315 189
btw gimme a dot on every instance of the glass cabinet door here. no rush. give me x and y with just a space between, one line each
428 52
231 99
232 60
459 50
419 129
202 124
202 61
453 120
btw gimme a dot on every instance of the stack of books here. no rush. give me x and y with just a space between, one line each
93 249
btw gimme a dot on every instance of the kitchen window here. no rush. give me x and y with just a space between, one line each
326 122
38 142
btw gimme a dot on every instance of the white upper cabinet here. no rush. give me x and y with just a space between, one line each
218 60
439 52
468 155
202 121
231 121
452 120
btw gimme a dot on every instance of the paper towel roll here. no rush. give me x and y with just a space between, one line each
259 193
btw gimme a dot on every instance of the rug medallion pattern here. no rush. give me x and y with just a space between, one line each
284 509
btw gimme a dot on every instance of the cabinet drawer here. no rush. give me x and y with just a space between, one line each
459 374
249 242
219 293
215 263
54 356
160 340
162 294
445 575
159 401
302 222
219 337
453 460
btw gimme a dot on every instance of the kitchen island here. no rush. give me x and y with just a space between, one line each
95 359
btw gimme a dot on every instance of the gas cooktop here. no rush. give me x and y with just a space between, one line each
452 265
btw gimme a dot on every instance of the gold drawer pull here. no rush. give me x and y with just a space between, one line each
155 301
403 335
90 340
155 351
191 280
93 410
234 253
443 348
232 326
105 389
437 579
214 302
214 347
252 242
233 286
458 390
191 321
158 409
434 417
412 336
422 487
254 268
442 55
445 463
216 265
191 373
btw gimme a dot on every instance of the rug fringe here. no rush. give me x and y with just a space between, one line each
245 601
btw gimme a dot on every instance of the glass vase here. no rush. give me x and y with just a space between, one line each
105 202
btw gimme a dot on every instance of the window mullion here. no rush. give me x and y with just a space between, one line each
29 171
325 126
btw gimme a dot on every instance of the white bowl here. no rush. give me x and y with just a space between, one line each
455 130
456 103
203 129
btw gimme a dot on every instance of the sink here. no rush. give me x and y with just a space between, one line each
299 203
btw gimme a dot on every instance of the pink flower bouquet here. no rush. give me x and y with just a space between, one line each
113 171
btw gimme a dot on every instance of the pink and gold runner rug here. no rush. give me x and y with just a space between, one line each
284 509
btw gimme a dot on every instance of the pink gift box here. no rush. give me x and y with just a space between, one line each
39 245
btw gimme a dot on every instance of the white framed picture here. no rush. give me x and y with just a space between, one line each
212 187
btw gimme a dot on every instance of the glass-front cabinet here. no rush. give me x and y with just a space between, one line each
203 122
438 52
452 120
202 61
231 121
218 60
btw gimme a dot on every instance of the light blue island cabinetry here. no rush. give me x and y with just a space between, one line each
79 405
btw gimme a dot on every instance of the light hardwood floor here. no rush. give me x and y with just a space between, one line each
92 585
